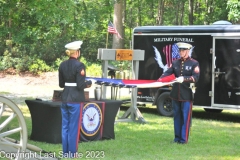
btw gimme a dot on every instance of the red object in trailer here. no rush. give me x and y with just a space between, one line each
216 48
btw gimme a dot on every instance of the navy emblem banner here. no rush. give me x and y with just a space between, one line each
91 121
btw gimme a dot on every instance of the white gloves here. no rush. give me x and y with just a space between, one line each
180 79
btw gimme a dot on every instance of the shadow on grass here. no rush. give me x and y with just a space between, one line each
224 116
232 116
199 114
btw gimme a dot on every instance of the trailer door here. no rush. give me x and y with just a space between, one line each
226 72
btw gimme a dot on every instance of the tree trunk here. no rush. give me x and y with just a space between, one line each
10 26
210 10
152 12
197 9
160 12
176 15
139 13
209 7
191 12
117 21
181 14
124 19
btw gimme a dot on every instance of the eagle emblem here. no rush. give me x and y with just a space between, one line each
91 119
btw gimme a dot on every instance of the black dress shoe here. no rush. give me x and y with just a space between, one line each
174 141
182 143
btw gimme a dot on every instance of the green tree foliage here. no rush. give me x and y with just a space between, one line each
33 33
234 10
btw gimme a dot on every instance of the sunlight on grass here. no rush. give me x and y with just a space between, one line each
212 137
209 140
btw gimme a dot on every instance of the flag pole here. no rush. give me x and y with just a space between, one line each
107 40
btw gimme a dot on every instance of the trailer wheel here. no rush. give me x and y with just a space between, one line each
13 125
164 105
213 110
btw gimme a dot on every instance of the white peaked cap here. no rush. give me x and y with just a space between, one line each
182 45
76 45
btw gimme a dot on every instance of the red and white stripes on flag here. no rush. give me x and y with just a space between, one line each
113 30
171 52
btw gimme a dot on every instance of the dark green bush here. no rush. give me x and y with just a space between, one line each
39 66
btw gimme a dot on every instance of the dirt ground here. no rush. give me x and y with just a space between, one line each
26 85
11 76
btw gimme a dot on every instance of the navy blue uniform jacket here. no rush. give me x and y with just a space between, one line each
72 71
190 70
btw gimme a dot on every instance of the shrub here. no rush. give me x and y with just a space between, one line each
7 61
23 64
39 66
57 62
94 70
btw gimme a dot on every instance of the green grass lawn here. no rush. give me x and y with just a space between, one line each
209 139
212 137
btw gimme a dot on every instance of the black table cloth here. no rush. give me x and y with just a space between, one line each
47 120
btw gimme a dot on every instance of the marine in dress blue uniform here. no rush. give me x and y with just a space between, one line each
72 74
187 71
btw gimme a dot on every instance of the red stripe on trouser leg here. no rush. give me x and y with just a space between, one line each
79 124
70 128
188 122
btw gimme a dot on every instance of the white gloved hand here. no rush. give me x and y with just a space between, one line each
180 79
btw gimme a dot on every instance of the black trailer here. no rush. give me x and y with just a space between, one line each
217 49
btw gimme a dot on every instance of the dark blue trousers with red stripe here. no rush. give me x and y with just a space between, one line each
70 128
182 120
